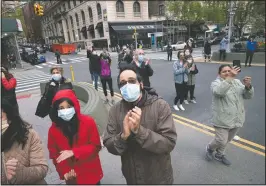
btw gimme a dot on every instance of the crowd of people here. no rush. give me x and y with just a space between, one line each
140 127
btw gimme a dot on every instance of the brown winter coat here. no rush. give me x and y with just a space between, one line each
32 164
145 156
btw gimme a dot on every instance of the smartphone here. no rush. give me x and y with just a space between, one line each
237 63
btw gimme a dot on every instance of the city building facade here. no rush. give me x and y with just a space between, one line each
97 23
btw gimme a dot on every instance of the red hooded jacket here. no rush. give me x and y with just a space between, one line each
86 161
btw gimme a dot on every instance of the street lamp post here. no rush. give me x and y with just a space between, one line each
231 11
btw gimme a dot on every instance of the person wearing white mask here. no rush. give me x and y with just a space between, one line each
74 141
141 130
143 67
57 82
193 70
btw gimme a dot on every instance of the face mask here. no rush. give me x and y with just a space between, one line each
5 125
94 53
189 60
141 58
56 77
130 92
66 114
187 53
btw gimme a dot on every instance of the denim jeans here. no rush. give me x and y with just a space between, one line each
95 79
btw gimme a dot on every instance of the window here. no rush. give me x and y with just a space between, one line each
136 9
77 19
83 17
90 14
67 24
71 21
161 9
73 32
79 34
74 3
69 5
120 6
81 1
68 35
99 11
55 27
64 7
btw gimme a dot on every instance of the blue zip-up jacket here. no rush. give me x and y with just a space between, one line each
180 73
251 45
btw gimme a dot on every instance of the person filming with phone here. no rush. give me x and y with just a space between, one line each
228 109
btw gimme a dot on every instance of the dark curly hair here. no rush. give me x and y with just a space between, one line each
18 129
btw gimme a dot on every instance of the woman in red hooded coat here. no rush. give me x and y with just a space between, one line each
74 141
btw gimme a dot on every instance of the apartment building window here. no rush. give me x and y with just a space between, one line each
55 28
74 3
99 11
83 17
67 24
136 9
77 19
80 1
73 32
69 5
90 14
71 22
64 7
120 11
161 9
79 34
68 35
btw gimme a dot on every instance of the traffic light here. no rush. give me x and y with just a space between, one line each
40 10
36 8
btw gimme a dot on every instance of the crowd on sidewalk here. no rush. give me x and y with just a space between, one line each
140 127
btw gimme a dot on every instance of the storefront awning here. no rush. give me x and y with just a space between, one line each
139 28
91 27
11 25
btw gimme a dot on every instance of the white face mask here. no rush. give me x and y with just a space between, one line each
189 60
187 53
56 77
94 53
66 114
130 92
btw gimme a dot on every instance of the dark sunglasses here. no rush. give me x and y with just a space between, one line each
130 81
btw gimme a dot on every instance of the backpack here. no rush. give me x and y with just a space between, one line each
105 68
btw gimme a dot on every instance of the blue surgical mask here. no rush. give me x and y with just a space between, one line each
66 114
130 92
56 77
141 58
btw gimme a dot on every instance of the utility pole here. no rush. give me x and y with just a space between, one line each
135 35
231 15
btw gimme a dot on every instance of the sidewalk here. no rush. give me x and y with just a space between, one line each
202 60
189 164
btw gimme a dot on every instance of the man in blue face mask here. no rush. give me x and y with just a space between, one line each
141 128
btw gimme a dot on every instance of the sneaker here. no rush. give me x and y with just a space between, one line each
176 107
222 158
181 107
186 102
106 101
209 152
193 101
93 83
99 83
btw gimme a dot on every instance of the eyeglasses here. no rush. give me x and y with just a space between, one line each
130 81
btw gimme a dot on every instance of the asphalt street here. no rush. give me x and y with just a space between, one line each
162 81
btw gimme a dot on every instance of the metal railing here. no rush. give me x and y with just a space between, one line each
137 14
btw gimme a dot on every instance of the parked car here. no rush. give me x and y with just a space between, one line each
178 46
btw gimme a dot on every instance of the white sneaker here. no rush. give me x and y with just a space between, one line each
176 108
99 83
186 102
181 107
93 83
193 101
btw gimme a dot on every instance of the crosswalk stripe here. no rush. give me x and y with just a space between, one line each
38 66
27 82
23 90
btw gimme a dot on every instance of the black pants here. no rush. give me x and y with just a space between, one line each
249 54
190 89
109 81
169 56
222 53
180 92
58 59
207 55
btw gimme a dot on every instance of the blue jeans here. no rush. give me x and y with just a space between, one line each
95 77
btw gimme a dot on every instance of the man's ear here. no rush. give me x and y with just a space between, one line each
141 86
